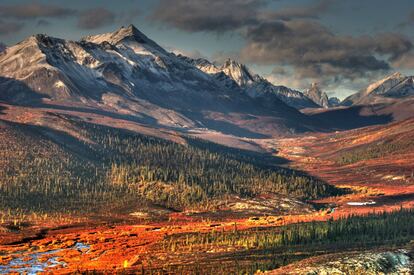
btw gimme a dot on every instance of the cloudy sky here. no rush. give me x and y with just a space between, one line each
342 45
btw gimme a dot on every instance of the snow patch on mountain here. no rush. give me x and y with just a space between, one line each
393 87
234 75
238 72
124 72
381 86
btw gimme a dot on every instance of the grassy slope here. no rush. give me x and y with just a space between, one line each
380 142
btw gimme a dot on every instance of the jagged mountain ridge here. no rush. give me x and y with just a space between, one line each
387 90
237 75
317 95
127 73
67 67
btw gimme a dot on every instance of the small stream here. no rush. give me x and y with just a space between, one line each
31 263
361 203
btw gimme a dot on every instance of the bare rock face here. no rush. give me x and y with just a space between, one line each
317 95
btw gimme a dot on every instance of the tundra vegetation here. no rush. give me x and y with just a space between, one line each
269 248
374 151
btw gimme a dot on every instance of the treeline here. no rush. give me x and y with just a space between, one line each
363 231
374 151
180 175
110 167
36 174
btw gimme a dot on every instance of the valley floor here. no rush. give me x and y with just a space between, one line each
382 184
140 246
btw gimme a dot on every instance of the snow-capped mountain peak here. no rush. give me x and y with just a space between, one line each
385 83
238 72
130 37
125 72
204 65
130 32
390 88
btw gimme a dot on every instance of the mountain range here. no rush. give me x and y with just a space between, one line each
235 75
124 74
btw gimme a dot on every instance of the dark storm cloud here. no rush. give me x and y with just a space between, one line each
406 61
7 27
126 17
220 16
393 44
42 22
279 71
202 15
95 18
314 50
302 11
87 19
288 36
34 10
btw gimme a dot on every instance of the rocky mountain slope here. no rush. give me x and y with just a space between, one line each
320 97
126 73
317 95
392 88
238 76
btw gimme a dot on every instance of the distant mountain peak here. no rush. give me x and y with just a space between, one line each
396 75
382 84
390 88
130 27
131 32
238 72
46 40
317 95
234 75
231 62
122 33
127 35
314 85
